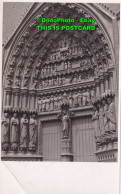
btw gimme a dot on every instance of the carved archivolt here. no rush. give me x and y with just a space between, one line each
43 66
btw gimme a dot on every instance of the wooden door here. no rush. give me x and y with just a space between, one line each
51 145
83 139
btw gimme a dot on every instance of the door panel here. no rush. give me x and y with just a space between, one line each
51 140
83 140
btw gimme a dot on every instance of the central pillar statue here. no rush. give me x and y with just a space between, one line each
66 138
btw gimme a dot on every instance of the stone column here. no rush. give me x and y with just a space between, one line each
24 93
32 99
16 93
8 96
111 81
101 84
97 87
106 81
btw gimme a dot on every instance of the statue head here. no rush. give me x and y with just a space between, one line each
15 114
109 100
24 115
33 116
5 114
103 101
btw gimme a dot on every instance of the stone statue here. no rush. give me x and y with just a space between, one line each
59 101
65 131
40 104
101 119
5 132
47 104
32 133
70 101
80 99
111 115
84 98
105 109
75 100
14 132
43 104
51 103
95 118
23 132
56 103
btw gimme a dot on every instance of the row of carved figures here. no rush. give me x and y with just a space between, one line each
63 54
64 65
13 128
53 103
63 80
104 117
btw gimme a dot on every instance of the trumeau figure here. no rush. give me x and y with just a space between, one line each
111 115
65 120
5 131
105 109
14 132
24 132
95 118
32 133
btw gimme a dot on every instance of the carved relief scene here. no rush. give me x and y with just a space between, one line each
60 88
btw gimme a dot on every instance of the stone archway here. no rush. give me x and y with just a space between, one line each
48 73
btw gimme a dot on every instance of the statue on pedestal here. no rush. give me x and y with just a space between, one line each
95 118
111 116
14 132
5 132
101 119
32 133
47 104
65 130
24 132
105 109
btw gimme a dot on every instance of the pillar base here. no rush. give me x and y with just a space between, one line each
67 157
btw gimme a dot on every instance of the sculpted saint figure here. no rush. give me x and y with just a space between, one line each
65 120
40 104
55 102
32 133
47 104
51 103
95 118
111 115
70 100
101 119
43 104
59 101
105 109
75 100
14 132
5 132
80 99
24 132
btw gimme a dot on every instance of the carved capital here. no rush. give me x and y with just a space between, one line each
24 92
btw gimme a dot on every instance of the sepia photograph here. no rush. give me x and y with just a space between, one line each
60 82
